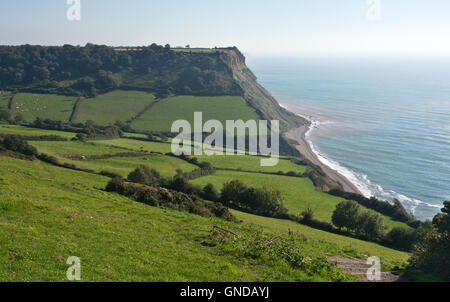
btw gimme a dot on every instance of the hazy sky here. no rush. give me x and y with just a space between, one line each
255 26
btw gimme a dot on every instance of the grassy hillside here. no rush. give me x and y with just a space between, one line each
51 106
71 153
299 193
113 106
50 213
25 131
222 108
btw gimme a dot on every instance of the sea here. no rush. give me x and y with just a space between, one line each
383 122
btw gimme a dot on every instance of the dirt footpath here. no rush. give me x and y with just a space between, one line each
359 268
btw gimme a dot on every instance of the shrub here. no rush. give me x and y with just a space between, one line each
145 175
431 253
395 210
260 201
370 225
307 215
49 159
210 193
117 184
400 237
18 144
346 215
156 196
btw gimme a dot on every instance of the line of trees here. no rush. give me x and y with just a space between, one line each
395 210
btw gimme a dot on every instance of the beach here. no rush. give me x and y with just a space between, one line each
304 147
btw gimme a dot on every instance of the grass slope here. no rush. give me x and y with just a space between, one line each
74 148
52 106
113 106
71 152
49 213
20 130
222 108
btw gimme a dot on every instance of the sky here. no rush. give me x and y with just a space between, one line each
402 27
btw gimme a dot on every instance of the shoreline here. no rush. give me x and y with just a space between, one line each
300 136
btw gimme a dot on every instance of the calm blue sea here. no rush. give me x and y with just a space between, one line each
382 122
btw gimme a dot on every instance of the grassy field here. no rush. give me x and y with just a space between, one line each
299 193
136 145
51 106
71 152
20 130
113 106
165 165
50 213
250 163
4 100
75 148
222 108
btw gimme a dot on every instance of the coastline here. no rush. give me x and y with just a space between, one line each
304 147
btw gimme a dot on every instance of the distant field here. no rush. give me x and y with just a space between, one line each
74 148
51 106
165 165
222 108
250 163
20 130
114 106
139 135
136 145
299 193
4 100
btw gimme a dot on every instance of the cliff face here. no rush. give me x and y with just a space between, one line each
258 97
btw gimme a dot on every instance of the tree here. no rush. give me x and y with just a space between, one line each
145 175
307 215
346 215
401 237
231 191
370 225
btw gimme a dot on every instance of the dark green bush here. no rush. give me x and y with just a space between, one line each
157 196
400 237
145 175
210 193
260 201
18 144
